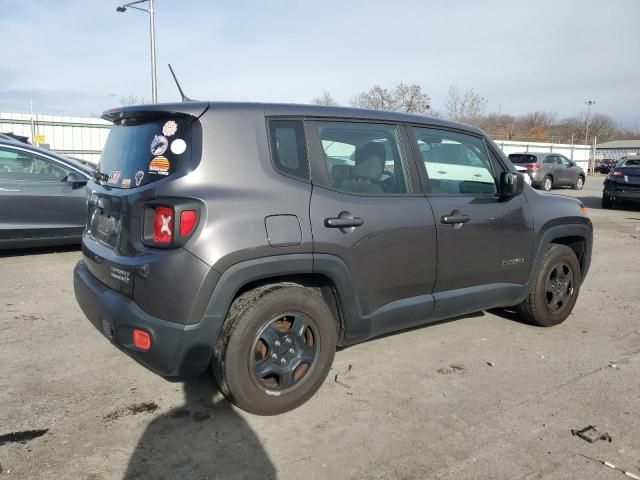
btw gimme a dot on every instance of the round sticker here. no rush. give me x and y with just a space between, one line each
159 165
159 145
169 128
178 146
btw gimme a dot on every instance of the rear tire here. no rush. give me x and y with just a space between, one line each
606 202
547 183
275 349
555 289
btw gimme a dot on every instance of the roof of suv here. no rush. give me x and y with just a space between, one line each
197 108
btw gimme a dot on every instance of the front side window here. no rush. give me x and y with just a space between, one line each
288 149
362 158
24 166
455 163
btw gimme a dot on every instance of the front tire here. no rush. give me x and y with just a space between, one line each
555 288
579 183
276 348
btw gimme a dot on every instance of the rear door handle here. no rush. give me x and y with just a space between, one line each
453 219
343 222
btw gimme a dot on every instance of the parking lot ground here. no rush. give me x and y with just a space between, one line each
480 397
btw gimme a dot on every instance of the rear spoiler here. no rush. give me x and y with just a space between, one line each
194 109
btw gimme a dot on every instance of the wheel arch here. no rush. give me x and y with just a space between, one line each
577 236
326 274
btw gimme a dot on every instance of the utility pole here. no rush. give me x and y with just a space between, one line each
152 34
588 103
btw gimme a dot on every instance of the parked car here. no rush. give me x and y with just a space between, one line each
13 137
622 185
606 165
227 236
42 196
525 173
550 170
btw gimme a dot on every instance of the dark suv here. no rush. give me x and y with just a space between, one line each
255 238
549 170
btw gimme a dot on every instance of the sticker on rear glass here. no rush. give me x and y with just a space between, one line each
178 146
126 183
139 176
159 165
159 145
114 176
169 128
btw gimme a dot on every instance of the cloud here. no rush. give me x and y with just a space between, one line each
522 56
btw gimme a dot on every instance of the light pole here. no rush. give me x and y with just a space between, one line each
588 103
152 32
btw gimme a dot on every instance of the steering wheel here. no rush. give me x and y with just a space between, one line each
389 183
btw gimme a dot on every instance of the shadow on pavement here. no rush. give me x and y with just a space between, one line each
22 252
204 438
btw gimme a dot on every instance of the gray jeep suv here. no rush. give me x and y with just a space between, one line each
549 170
254 239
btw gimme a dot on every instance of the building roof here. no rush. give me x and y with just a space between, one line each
631 144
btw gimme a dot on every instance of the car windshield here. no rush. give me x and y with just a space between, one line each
632 162
522 158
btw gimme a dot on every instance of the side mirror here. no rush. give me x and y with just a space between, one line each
572 163
76 179
511 184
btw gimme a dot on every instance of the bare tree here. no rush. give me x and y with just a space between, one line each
376 98
535 125
411 98
465 107
325 99
403 98
603 127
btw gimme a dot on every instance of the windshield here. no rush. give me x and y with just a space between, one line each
142 151
522 158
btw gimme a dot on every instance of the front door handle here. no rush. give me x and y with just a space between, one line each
454 219
338 222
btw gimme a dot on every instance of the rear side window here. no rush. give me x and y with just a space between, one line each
142 151
288 149
24 166
362 158
522 158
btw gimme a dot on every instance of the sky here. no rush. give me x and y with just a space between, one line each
78 57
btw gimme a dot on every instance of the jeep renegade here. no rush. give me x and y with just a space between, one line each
253 239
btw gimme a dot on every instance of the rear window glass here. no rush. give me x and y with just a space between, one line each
521 158
142 151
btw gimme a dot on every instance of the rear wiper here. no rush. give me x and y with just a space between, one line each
99 176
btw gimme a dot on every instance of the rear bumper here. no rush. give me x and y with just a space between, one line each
176 349
627 196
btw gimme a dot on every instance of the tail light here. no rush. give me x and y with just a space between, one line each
616 173
532 166
141 339
188 219
163 225
169 224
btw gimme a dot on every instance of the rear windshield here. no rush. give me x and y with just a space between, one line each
142 151
522 158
